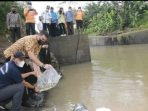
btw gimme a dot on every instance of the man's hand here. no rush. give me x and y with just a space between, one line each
33 73
47 66
44 46
36 89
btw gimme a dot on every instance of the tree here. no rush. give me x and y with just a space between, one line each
105 17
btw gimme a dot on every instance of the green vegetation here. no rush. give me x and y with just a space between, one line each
106 17
5 7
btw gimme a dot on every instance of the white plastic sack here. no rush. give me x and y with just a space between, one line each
48 79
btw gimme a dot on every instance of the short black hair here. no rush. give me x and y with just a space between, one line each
51 8
48 6
44 33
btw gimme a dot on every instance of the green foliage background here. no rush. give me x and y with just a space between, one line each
104 17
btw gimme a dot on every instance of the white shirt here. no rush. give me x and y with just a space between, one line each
46 17
40 26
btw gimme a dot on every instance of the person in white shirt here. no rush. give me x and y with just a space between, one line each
40 24
46 19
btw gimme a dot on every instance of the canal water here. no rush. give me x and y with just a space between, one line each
116 78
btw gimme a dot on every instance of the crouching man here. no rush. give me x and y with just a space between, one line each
12 81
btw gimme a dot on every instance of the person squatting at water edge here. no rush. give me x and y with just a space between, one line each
12 81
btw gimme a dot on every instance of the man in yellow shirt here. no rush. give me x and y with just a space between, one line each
31 46
79 19
30 14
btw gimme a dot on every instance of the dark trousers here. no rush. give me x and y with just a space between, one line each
46 26
31 79
30 28
53 29
14 91
44 55
62 28
79 24
15 33
70 28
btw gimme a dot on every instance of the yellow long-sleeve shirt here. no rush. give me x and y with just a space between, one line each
79 15
30 15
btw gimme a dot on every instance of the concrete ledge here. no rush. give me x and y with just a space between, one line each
71 49
137 37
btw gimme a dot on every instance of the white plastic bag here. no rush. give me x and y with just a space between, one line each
48 79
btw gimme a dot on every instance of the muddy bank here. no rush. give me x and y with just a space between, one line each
135 37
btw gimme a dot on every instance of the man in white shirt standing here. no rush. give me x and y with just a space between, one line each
46 19
40 24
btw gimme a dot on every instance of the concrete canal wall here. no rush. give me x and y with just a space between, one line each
137 37
71 49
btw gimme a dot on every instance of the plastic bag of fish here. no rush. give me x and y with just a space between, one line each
48 79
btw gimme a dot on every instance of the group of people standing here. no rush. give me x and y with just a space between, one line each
61 22
55 23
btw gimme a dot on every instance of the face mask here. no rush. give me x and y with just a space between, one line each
69 9
13 11
47 10
21 64
40 42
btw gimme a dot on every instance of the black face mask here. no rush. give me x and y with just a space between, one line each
13 11
40 42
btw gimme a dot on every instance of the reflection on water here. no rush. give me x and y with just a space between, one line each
116 78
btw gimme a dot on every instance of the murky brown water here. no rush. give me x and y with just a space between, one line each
116 78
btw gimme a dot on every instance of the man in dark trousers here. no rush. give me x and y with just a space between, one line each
12 81
14 24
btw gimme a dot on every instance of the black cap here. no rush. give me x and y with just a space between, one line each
19 54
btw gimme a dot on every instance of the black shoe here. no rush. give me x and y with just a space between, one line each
2 107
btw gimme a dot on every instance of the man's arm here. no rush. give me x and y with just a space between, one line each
28 85
7 20
35 59
20 20
24 75
26 11
35 12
